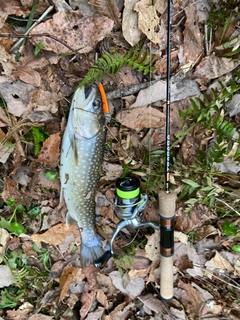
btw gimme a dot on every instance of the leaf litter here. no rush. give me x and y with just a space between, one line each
37 91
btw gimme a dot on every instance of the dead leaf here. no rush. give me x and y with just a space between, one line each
50 150
218 262
102 298
193 38
28 75
96 315
66 278
14 7
81 32
130 23
140 268
152 303
5 276
55 235
40 316
143 117
43 102
233 105
4 237
6 43
107 8
213 67
148 20
157 92
87 300
153 246
161 5
5 152
132 289
228 166
16 94
113 170
204 232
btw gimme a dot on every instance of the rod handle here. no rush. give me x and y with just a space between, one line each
167 207
166 278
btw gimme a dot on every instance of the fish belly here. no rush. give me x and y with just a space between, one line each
78 187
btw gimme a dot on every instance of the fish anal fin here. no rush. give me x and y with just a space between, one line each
69 220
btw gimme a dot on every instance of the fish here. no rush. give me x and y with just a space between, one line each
81 157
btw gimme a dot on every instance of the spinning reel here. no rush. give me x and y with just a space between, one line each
129 205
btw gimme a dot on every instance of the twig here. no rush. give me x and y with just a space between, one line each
227 205
17 44
126 91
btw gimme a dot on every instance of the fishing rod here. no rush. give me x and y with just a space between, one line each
167 199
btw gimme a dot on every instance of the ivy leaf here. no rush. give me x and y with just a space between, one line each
229 228
34 212
20 208
11 202
17 228
236 248
51 175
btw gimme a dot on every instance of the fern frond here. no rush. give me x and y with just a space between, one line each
137 58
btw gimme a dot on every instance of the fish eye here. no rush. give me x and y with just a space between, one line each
97 104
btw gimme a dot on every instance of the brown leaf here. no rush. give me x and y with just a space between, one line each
143 117
130 23
193 39
193 300
81 32
219 262
28 75
102 298
153 246
90 273
55 235
66 278
132 289
107 8
213 67
96 315
152 303
16 94
14 7
87 300
50 150
148 20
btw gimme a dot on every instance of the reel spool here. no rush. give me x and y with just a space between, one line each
129 205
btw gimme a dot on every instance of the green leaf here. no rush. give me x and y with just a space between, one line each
236 248
11 202
38 48
17 228
20 208
5 224
51 175
191 183
229 228
39 135
34 212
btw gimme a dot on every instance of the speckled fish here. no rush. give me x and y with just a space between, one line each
81 158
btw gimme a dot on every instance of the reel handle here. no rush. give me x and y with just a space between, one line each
103 259
167 205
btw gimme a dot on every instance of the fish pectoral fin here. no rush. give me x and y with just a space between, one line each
70 220
74 147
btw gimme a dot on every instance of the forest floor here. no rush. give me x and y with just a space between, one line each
41 276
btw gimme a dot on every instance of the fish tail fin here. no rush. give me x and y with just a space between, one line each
91 247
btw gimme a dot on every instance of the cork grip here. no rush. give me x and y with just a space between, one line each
167 204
